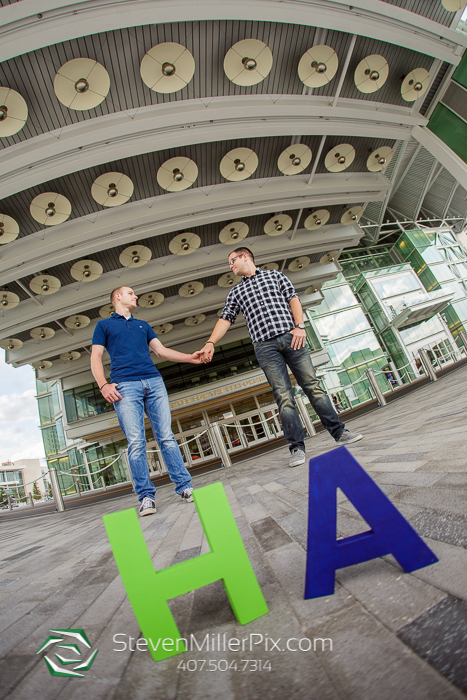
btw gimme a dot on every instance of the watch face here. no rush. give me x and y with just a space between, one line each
300 325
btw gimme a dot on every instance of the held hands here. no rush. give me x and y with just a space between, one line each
196 357
206 353
110 393
299 338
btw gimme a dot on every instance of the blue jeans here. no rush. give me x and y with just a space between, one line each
150 396
273 356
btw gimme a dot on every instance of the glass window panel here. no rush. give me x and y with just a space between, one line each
396 285
45 410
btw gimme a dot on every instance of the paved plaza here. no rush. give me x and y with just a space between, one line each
394 635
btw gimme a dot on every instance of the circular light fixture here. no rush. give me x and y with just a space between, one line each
318 66
191 289
351 216
379 159
8 300
185 243
195 320
238 164
167 67
330 257
177 174
13 112
248 62
9 229
294 159
45 284
70 356
316 219
234 232
339 158
11 344
312 289
415 84
453 5
278 224
50 208
371 73
228 280
106 311
86 270
150 300
82 84
270 266
163 329
42 364
135 256
299 264
42 333
112 189
77 322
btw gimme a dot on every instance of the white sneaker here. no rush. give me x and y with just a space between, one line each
297 457
147 506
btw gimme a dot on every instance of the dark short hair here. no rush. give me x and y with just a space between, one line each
246 251
115 291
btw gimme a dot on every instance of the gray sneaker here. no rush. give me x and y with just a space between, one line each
297 457
347 437
187 494
147 506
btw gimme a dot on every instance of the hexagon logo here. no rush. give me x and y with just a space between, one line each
69 640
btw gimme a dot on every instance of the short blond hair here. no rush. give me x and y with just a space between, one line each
115 291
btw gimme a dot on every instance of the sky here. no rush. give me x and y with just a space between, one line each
20 437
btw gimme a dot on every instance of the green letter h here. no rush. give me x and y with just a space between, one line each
149 590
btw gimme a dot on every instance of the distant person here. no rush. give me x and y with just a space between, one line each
274 316
338 406
136 386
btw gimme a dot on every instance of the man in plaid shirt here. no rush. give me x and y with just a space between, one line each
274 316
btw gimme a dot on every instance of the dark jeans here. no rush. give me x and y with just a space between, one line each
273 356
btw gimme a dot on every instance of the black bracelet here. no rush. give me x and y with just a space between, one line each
100 388
210 341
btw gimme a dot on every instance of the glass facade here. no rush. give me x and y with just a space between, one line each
440 263
350 341
85 402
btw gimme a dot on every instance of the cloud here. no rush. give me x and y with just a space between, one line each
20 436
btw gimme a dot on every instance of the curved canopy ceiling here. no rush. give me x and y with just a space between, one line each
164 146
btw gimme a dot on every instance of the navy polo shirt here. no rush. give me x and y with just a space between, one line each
127 342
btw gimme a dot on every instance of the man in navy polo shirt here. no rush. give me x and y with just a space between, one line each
136 386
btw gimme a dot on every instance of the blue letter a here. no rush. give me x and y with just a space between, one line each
390 532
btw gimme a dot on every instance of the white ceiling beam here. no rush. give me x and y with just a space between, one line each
453 164
176 124
180 211
174 269
34 24
171 309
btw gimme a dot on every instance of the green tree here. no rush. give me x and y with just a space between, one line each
36 494
49 490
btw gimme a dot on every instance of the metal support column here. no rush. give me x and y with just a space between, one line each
31 500
10 505
219 444
395 373
88 472
305 416
426 362
375 386
463 338
56 491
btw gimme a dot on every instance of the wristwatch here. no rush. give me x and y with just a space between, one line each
300 325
